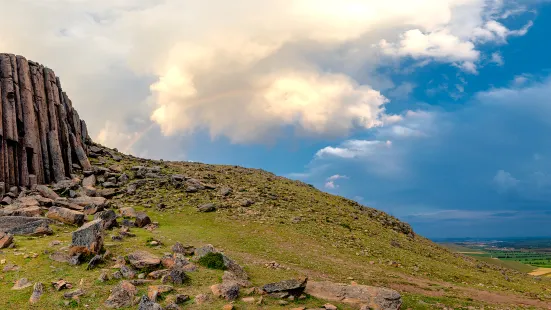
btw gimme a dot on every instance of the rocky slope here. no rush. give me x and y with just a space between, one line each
145 234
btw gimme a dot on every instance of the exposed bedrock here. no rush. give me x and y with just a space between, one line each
42 138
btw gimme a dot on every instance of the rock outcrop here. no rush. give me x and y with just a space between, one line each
42 138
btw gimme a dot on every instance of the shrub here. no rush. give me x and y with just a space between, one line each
213 261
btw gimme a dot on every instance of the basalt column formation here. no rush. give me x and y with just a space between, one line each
42 138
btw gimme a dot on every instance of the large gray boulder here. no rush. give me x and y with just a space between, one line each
369 297
88 239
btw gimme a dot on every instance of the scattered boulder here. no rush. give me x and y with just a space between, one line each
88 239
202 299
38 290
208 207
61 284
62 257
65 215
183 249
142 219
147 304
356 295
73 294
6 240
286 288
176 276
89 181
143 259
154 291
96 260
128 212
121 296
228 290
92 209
108 217
85 200
232 277
181 298
225 191
21 284
45 191
204 250
127 272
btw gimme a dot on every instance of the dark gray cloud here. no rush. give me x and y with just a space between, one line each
487 164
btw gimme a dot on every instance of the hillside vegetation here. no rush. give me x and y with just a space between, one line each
276 229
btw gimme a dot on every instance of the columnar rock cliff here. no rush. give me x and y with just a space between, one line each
42 138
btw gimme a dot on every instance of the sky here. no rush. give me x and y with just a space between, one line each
435 111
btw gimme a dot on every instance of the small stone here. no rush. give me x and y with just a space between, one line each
249 300
228 307
330 307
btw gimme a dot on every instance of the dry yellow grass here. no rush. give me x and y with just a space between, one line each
541 272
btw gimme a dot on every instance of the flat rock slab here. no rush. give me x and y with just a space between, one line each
293 287
25 226
66 216
356 295
143 259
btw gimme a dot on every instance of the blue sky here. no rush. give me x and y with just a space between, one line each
436 112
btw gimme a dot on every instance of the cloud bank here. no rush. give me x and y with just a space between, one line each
243 69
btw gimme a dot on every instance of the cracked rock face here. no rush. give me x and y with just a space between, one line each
42 137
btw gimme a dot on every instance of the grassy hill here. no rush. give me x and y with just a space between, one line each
267 219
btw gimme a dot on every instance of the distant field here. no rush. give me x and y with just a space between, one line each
508 264
523 261
462 249
536 259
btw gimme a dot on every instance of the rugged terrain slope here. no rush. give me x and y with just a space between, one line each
275 228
